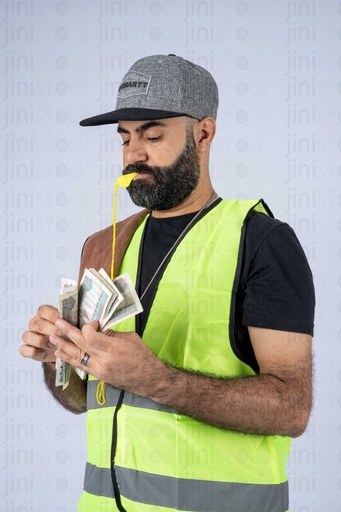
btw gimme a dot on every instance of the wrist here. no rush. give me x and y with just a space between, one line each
167 384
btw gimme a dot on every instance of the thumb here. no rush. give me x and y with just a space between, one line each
90 327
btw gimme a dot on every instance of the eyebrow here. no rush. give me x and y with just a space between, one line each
142 127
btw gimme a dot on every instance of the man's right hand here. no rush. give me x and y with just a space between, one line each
36 340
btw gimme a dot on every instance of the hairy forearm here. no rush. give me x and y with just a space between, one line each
73 398
260 404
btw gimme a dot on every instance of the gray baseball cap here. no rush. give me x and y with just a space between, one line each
162 86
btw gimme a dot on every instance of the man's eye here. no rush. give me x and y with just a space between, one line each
153 139
125 142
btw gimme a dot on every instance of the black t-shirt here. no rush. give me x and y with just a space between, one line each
275 288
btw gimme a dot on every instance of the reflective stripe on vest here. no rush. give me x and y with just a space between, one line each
185 494
112 395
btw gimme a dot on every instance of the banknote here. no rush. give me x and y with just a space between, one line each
130 305
117 295
97 298
68 309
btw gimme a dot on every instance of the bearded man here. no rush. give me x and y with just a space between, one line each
205 388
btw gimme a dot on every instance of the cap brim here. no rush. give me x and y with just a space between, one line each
128 114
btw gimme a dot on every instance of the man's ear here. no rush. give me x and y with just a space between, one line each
204 133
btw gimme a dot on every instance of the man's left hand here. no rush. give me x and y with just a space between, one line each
120 359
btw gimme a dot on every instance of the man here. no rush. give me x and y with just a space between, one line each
205 389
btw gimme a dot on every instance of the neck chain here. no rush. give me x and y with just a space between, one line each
211 199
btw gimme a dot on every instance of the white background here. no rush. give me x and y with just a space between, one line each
278 67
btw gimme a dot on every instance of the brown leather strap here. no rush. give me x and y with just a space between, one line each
97 248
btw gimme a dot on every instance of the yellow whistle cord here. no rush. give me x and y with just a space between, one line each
124 182
100 393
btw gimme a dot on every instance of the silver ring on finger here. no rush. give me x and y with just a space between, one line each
85 359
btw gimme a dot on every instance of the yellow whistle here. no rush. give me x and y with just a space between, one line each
125 180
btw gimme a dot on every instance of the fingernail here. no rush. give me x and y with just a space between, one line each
52 340
58 323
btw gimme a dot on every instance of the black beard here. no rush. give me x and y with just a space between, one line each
171 184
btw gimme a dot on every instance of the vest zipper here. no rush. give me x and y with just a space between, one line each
113 453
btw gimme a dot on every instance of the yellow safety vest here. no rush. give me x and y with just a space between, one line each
163 460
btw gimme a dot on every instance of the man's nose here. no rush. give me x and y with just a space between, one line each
135 152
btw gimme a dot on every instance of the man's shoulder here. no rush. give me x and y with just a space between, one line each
261 223
130 224
98 249
268 233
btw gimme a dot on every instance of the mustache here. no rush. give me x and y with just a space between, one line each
140 168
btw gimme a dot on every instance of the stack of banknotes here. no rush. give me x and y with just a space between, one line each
96 298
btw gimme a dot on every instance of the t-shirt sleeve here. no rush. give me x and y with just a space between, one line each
277 282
